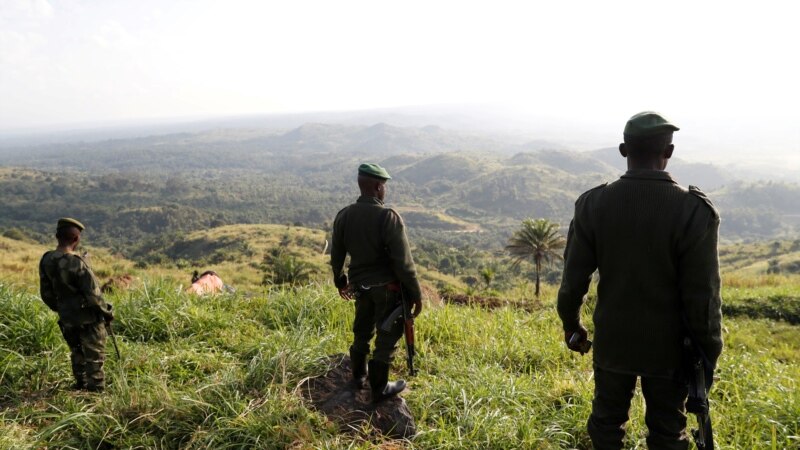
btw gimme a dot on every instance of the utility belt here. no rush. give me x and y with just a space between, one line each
391 286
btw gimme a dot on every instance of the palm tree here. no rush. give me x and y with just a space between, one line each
538 240
488 276
284 268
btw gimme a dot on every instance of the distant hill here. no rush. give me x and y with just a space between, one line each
131 189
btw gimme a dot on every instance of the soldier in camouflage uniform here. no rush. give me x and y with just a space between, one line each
69 287
380 266
654 244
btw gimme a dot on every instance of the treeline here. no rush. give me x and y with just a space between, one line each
133 190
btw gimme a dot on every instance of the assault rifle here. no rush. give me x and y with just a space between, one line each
113 338
699 377
403 311
110 330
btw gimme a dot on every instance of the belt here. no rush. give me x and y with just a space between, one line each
393 286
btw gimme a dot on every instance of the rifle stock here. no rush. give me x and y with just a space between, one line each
697 401
408 331
113 338
404 311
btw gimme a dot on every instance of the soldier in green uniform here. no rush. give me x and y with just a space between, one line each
69 287
380 266
654 244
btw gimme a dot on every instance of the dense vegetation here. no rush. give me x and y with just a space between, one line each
452 188
223 372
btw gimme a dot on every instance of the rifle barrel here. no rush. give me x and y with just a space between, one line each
113 339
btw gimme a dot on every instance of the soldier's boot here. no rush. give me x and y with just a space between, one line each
358 362
80 383
379 382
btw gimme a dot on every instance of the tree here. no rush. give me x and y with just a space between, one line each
538 240
773 266
488 276
283 268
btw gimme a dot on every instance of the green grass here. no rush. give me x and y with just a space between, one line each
223 373
771 297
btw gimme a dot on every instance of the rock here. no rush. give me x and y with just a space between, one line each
334 395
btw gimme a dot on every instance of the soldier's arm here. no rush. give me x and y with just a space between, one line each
579 264
400 256
46 288
87 285
338 252
699 281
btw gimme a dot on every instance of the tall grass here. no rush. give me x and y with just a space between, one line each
223 372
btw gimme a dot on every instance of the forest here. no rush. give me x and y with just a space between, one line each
257 208
453 188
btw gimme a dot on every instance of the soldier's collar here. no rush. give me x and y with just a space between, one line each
373 200
643 174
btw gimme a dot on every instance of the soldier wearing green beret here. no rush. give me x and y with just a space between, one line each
654 244
69 287
380 265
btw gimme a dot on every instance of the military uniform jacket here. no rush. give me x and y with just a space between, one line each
375 238
654 244
69 287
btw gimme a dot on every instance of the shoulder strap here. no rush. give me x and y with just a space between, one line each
585 194
694 190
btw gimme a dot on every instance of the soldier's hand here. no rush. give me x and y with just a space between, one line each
417 308
108 314
578 340
346 293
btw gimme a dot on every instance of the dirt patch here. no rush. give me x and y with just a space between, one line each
489 302
352 409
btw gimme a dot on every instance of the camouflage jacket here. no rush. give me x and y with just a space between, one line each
69 287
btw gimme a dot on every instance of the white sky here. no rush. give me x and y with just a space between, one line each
81 61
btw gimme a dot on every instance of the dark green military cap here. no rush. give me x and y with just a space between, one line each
648 123
374 171
69 222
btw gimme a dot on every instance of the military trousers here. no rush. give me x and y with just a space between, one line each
665 414
87 344
373 306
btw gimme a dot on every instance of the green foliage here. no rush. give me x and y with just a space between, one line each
16 234
130 194
222 373
538 240
488 276
280 267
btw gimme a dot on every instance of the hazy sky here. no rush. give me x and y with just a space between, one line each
76 61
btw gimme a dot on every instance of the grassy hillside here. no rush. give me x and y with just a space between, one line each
223 373
761 257
240 254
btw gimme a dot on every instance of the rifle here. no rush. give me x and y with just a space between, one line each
113 338
699 381
404 311
107 323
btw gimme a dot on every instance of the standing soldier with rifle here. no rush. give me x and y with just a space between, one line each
381 273
68 286
654 244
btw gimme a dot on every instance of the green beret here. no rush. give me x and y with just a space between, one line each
374 171
648 123
69 222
